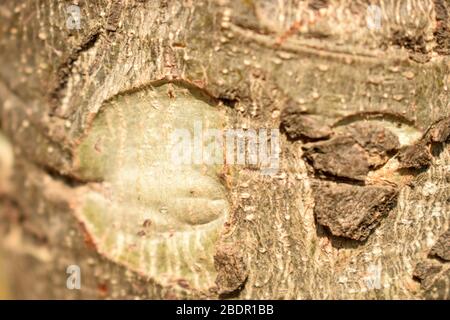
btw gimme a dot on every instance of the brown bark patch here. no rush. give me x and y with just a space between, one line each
379 142
441 248
352 211
299 125
442 32
425 269
415 156
434 279
439 132
231 268
340 157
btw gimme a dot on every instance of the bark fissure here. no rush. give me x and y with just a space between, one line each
65 69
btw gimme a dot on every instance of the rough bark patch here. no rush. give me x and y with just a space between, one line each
442 33
340 157
425 269
434 279
231 268
418 155
378 141
441 248
439 132
352 211
415 156
297 124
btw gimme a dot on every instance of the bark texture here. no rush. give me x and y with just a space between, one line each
364 119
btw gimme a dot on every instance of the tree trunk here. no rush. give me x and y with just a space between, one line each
355 205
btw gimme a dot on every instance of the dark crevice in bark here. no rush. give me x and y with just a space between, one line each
323 176
65 69
336 241
432 144
416 44
68 180
442 33
318 4
229 102
437 258
376 115
234 294
114 16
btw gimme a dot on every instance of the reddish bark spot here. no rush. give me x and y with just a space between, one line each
102 290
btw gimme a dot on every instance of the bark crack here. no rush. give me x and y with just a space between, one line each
66 67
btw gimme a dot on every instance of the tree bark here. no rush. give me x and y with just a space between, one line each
358 208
